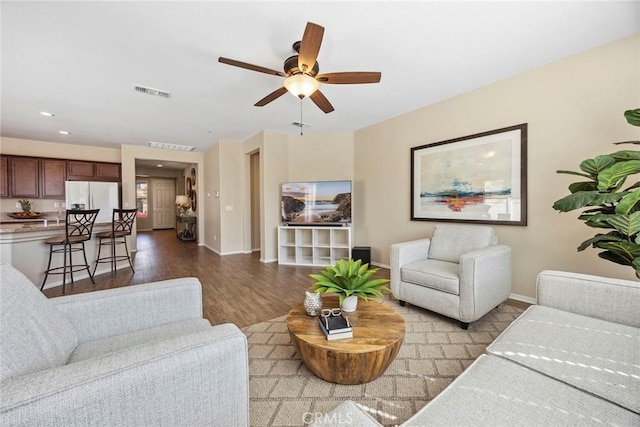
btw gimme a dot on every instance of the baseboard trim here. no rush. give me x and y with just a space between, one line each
211 249
523 298
232 253
378 264
267 261
223 253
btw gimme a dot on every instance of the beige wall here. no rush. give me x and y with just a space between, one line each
282 157
274 169
29 147
574 110
231 198
211 203
321 157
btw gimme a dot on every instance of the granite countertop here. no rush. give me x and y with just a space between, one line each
48 221
20 225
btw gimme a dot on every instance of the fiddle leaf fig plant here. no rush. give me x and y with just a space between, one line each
609 202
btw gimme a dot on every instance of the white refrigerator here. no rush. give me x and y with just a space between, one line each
93 195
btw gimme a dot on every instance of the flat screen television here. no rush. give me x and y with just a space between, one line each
318 202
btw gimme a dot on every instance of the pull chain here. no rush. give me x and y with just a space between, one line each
301 116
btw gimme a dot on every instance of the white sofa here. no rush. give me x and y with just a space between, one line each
134 356
573 359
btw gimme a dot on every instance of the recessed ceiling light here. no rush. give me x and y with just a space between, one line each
46 113
64 132
159 166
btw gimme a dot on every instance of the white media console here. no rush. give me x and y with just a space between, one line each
313 246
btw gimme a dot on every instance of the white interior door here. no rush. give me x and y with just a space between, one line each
164 198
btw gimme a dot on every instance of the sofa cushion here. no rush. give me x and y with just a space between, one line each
497 392
600 357
434 274
34 334
449 242
112 344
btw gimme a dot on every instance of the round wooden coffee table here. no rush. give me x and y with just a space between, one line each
378 332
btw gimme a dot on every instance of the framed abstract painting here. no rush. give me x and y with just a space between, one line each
479 178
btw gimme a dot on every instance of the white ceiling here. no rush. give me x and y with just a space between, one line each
80 60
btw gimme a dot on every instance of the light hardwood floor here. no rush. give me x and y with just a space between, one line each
236 288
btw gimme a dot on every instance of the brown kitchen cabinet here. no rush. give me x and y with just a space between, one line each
107 171
80 171
24 180
24 177
4 177
92 171
53 174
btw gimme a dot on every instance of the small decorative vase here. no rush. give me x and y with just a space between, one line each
349 304
313 303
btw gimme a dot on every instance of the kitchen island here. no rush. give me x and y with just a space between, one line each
22 245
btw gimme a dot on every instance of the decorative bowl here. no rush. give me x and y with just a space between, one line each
25 215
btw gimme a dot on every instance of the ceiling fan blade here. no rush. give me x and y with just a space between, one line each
310 46
353 77
251 67
271 97
321 101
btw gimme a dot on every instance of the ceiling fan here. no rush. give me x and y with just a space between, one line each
301 72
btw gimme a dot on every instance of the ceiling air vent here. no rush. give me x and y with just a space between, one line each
174 147
152 91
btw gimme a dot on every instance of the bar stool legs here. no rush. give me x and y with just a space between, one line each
67 251
121 226
78 229
112 259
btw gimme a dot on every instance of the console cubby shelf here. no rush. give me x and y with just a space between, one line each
313 246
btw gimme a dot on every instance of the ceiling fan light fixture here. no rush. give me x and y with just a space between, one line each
301 85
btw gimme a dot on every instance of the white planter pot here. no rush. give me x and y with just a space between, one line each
349 304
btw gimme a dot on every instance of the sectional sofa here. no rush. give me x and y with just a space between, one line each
572 359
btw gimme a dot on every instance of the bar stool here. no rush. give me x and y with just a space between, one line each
78 228
121 226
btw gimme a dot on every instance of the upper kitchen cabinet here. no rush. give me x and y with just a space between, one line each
4 177
92 171
53 174
44 178
24 177
80 171
107 171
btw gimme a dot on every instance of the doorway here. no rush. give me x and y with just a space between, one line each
164 210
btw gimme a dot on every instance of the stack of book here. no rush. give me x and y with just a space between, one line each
335 327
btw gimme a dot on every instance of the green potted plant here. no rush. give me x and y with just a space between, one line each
609 202
25 205
350 280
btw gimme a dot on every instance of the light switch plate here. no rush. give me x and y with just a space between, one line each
229 208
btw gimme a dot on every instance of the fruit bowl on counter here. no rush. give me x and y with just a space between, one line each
25 215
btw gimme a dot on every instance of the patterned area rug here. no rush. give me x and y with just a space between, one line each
435 351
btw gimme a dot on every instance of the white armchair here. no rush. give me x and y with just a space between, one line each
134 356
460 272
